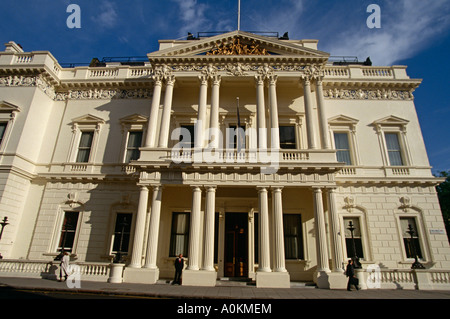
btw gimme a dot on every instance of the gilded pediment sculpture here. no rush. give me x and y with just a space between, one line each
237 48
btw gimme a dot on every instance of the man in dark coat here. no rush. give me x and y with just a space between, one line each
350 272
179 264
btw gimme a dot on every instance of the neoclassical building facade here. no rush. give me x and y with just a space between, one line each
253 156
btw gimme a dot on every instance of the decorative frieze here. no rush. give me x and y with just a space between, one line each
372 94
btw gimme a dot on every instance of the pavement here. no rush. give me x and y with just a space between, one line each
224 290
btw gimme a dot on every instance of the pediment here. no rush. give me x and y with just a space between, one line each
391 120
8 107
135 118
342 119
88 119
238 43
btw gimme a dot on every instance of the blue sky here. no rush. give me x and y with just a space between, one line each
413 32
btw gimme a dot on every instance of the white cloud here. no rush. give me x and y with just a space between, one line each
192 15
108 16
407 27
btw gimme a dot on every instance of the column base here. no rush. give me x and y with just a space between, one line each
140 275
202 278
116 273
337 280
273 280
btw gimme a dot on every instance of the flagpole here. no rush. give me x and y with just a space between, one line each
239 15
238 126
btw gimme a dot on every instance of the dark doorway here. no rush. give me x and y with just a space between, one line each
236 245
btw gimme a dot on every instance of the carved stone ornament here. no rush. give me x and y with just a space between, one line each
374 94
405 203
349 203
237 48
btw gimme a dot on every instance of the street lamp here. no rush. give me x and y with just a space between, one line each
416 264
355 258
3 223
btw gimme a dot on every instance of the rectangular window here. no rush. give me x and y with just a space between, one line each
342 148
2 131
122 230
233 135
353 240
134 142
411 243
68 230
84 149
179 237
287 137
293 236
394 149
187 137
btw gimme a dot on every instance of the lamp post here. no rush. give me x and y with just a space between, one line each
355 258
416 264
3 223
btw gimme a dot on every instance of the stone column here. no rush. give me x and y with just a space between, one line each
194 232
323 120
201 117
321 239
310 128
264 244
138 241
167 110
214 116
150 139
275 130
336 243
261 113
152 245
279 260
208 256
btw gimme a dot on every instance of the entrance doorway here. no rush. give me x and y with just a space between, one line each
236 245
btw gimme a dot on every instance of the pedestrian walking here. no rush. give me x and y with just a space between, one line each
350 272
179 264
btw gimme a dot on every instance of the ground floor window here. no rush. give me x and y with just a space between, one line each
411 243
179 238
122 229
68 231
293 237
353 240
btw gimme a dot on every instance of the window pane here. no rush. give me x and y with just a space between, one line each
394 150
122 232
84 148
287 137
179 234
232 135
293 238
343 148
68 230
187 139
2 131
354 243
134 142
410 243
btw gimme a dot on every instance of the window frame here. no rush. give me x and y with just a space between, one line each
8 115
82 124
295 144
133 149
300 240
345 124
393 125
172 244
